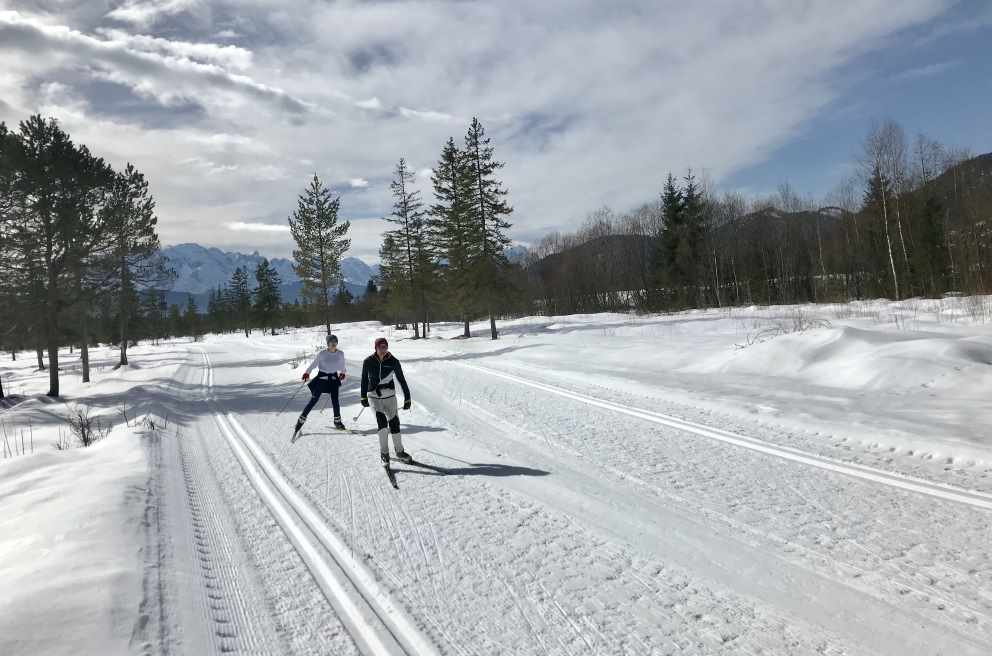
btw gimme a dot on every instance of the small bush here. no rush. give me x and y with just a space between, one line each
86 429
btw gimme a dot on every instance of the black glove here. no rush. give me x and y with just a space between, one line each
365 402
407 403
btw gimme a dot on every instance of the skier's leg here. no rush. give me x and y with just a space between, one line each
394 428
394 424
309 406
383 423
315 396
335 386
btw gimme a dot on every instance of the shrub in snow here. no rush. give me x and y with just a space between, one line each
85 428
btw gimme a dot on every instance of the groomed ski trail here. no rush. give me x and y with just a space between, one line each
378 625
908 483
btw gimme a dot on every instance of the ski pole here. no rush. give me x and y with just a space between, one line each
286 405
355 418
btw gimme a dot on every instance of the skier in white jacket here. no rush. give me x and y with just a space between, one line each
331 372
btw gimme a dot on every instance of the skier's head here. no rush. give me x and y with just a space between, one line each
381 346
332 340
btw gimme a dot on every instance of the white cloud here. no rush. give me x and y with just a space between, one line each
428 115
240 226
146 12
358 183
586 102
928 70
229 56
371 103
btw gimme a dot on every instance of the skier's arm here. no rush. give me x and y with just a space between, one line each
365 380
398 370
313 365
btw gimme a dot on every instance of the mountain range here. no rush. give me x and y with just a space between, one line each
200 269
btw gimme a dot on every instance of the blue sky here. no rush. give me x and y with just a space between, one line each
229 106
935 78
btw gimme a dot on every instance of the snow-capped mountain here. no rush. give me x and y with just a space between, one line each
200 269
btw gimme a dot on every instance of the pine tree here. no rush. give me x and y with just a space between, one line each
487 209
451 231
410 236
191 318
343 298
320 244
393 278
132 262
268 299
673 213
691 252
240 298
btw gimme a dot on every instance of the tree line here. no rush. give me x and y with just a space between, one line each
912 221
77 241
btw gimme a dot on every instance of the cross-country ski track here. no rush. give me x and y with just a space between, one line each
564 514
847 595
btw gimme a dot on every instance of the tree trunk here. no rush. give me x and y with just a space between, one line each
468 331
53 364
84 347
123 361
492 325
1 387
888 242
41 359
52 334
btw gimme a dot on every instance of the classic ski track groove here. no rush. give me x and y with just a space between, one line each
907 483
378 625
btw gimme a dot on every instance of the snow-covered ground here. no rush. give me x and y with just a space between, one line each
786 480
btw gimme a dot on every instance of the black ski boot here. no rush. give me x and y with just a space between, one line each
385 459
338 424
404 457
299 425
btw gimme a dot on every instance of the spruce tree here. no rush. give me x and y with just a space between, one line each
393 278
191 317
131 215
410 236
487 209
451 231
320 243
240 297
268 299
673 227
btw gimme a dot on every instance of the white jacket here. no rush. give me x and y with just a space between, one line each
328 362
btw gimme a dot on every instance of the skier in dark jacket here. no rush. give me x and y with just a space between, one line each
380 371
330 374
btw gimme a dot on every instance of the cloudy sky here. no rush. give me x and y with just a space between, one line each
228 107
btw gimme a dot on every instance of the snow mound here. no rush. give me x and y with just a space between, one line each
850 357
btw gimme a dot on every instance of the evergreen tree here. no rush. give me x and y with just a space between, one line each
487 209
392 277
343 298
320 244
240 298
133 262
410 236
174 321
669 242
451 231
191 317
268 299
